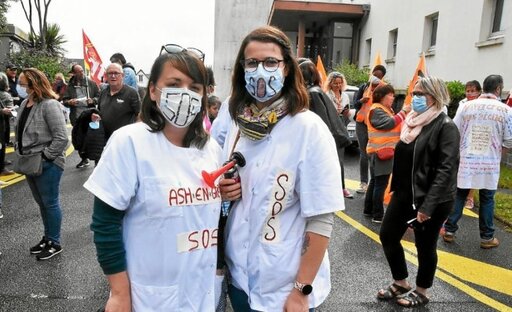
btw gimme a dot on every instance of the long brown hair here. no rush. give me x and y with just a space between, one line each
293 89
151 115
39 83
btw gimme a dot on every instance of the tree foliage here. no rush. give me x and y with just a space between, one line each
457 91
34 57
4 7
354 75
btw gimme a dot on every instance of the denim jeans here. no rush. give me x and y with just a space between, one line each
45 189
485 216
374 199
240 300
362 140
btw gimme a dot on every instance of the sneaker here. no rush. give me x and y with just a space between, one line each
469 203
84 163
1 214
377 220
347 194
362 188
39 247
51 249
448 237
6 172
491 243
368 215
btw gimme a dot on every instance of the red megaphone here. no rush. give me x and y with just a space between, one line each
210 177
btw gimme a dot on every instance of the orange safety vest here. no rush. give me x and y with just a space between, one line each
378 139
363 112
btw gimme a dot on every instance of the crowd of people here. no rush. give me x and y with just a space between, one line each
157 226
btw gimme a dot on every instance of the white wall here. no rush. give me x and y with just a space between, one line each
459 29
234 19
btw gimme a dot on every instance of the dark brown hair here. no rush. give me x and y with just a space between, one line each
39 83
309 72
151 115
381 91
293 90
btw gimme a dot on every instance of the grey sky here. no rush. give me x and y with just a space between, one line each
135 28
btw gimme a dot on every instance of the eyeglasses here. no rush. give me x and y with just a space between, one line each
175 48
270 64
114 74
418 93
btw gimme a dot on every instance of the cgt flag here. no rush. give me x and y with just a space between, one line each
321 70
92 60
421 71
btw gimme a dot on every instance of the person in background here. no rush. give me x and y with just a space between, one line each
213 107
130 77
285 204
12 72
472 91
210 77
321 104
119 105
485 126
41 128
424 187
59 86
383 134
6 106
81 94
362 104
158 251
210 83
334 87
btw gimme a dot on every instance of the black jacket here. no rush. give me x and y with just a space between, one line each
321 104
89 142
435 165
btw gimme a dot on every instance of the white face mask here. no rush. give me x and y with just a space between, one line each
22 91
180 106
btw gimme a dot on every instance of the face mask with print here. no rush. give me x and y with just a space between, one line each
419 104
263 85
22 91
180 106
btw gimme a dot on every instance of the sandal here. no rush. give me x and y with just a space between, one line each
393 291
413 299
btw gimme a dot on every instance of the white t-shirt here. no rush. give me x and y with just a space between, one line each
485 125
170 225
291 174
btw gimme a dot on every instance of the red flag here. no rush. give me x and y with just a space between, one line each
92 60
321 70
421 71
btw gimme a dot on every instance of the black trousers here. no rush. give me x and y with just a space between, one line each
393 228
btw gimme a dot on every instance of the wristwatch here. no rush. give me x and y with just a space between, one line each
305 289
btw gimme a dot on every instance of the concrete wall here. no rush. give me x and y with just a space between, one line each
462 24
234 19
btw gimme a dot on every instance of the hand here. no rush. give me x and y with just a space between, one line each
421 217
90 101
95 117
6 111
296 302
230 189
364 100
119 303
72 102
406 108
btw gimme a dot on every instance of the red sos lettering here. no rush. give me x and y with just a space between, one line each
203 239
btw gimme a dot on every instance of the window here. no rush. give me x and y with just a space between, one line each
430 34
498 12
392 43
342 42
141 78
368 51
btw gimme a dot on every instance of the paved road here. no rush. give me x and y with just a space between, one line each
469 278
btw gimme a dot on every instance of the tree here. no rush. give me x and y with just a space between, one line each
354 75
4 6
48 37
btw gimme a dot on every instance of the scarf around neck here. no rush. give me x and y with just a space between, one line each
414 122
255 124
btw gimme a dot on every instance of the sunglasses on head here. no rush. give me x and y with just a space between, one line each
175 48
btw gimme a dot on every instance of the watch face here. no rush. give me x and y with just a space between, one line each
307 289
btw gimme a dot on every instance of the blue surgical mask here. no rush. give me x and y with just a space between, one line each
419 104
22 91
263 85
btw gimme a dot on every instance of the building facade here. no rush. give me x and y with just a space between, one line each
11 41
462 39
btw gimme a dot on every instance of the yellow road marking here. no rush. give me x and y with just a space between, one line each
496 278
15 178
354 185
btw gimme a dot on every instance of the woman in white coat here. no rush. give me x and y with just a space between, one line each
279 228
154 220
